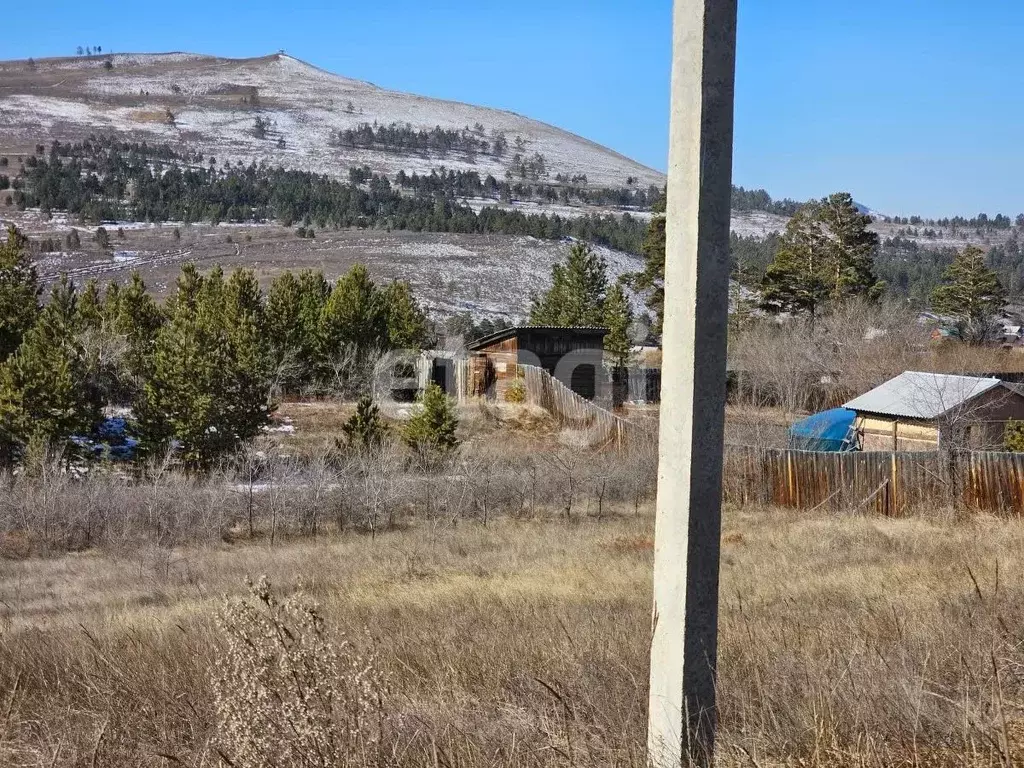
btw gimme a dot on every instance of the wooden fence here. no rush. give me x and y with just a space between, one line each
572 410
891 484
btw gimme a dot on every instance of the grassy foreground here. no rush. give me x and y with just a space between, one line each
845 641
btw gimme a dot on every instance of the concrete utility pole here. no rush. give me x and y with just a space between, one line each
684 643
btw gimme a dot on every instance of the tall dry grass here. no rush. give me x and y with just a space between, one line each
523 642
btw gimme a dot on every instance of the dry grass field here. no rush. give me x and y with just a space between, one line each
523 642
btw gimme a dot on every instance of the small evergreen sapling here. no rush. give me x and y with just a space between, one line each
432 429
365 429
516 392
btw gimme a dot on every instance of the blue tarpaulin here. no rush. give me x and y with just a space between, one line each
826 431
112 440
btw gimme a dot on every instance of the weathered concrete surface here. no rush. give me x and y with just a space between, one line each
685 621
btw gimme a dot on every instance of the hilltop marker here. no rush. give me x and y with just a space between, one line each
684 640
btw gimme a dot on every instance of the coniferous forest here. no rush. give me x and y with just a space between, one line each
200 372
107 179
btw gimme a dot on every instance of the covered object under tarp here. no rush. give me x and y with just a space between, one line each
831 430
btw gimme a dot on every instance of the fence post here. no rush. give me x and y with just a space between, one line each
767 478
894 510
790 494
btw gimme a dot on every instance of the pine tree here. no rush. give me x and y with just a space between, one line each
354 315
365 429
204 389
577 293
46 394
111 303
971 293
177 398
406 321
285 331
107 351
313 294
132 313
618 317
825 256
90 306
652 279
431 430
19 292
210 303
248 378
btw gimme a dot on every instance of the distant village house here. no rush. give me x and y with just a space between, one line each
922 411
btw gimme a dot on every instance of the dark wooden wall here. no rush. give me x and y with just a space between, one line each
498 363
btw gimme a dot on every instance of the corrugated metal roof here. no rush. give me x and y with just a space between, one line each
507 333
919 395
1014 386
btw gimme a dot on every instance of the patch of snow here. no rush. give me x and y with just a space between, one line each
287 429
757 223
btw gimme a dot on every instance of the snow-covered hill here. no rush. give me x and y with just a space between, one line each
205 104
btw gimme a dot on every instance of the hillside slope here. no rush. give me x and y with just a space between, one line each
210 105
759 224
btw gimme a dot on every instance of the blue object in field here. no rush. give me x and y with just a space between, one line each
830 430
111 440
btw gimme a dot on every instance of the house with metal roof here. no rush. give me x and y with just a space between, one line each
921 411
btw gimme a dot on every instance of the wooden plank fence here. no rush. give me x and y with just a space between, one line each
572 410
889 484
995 481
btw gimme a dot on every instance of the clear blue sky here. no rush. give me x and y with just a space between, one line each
911 105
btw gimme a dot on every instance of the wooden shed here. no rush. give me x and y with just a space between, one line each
573 355
921 411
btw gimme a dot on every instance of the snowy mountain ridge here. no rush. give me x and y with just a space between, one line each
210 105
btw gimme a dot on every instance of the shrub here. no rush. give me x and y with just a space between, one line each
1013 435
432 428
285 692
516 392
